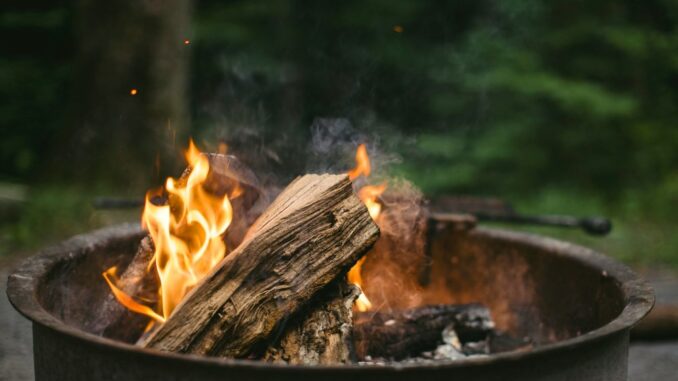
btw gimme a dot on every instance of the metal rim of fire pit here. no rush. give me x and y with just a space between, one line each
23 284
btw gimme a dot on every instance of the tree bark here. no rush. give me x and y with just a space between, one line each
312 234
320 333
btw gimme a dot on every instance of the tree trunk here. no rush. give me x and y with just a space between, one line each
124 46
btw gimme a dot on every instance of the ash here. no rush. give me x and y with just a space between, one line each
450 349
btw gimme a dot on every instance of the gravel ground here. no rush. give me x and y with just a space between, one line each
656 361
16 346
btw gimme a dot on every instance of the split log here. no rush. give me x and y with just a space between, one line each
321 332
400 334
312 233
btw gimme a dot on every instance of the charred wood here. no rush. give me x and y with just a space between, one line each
400 334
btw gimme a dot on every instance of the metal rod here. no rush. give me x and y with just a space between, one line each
599 226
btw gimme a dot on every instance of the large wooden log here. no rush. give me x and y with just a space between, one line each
310 235
400 334
320 333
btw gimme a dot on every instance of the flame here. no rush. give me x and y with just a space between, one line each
368 194
362 164
187 233
111 278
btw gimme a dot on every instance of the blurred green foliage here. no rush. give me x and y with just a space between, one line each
35 74
560 106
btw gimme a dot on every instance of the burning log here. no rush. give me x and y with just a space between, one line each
400 334
116 321
312 233
227 175
320 333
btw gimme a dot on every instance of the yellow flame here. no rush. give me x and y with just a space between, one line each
369 195
126 300
187 233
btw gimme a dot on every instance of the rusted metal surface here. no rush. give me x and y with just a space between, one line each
576 304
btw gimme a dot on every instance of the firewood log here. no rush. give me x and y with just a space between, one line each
313 233
399 334
320 333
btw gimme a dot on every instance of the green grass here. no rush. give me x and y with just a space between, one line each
637 238
50 214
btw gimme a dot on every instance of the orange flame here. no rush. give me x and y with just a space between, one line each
362 164
126 300
369 194
187 233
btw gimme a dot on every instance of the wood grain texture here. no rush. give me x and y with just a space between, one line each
312 233
320 333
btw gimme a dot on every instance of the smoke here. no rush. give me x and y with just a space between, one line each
334 142
391 269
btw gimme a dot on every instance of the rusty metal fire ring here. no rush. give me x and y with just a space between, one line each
62 351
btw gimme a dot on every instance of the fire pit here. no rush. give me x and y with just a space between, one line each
576 307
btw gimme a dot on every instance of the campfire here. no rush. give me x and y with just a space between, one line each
336 274
192 292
